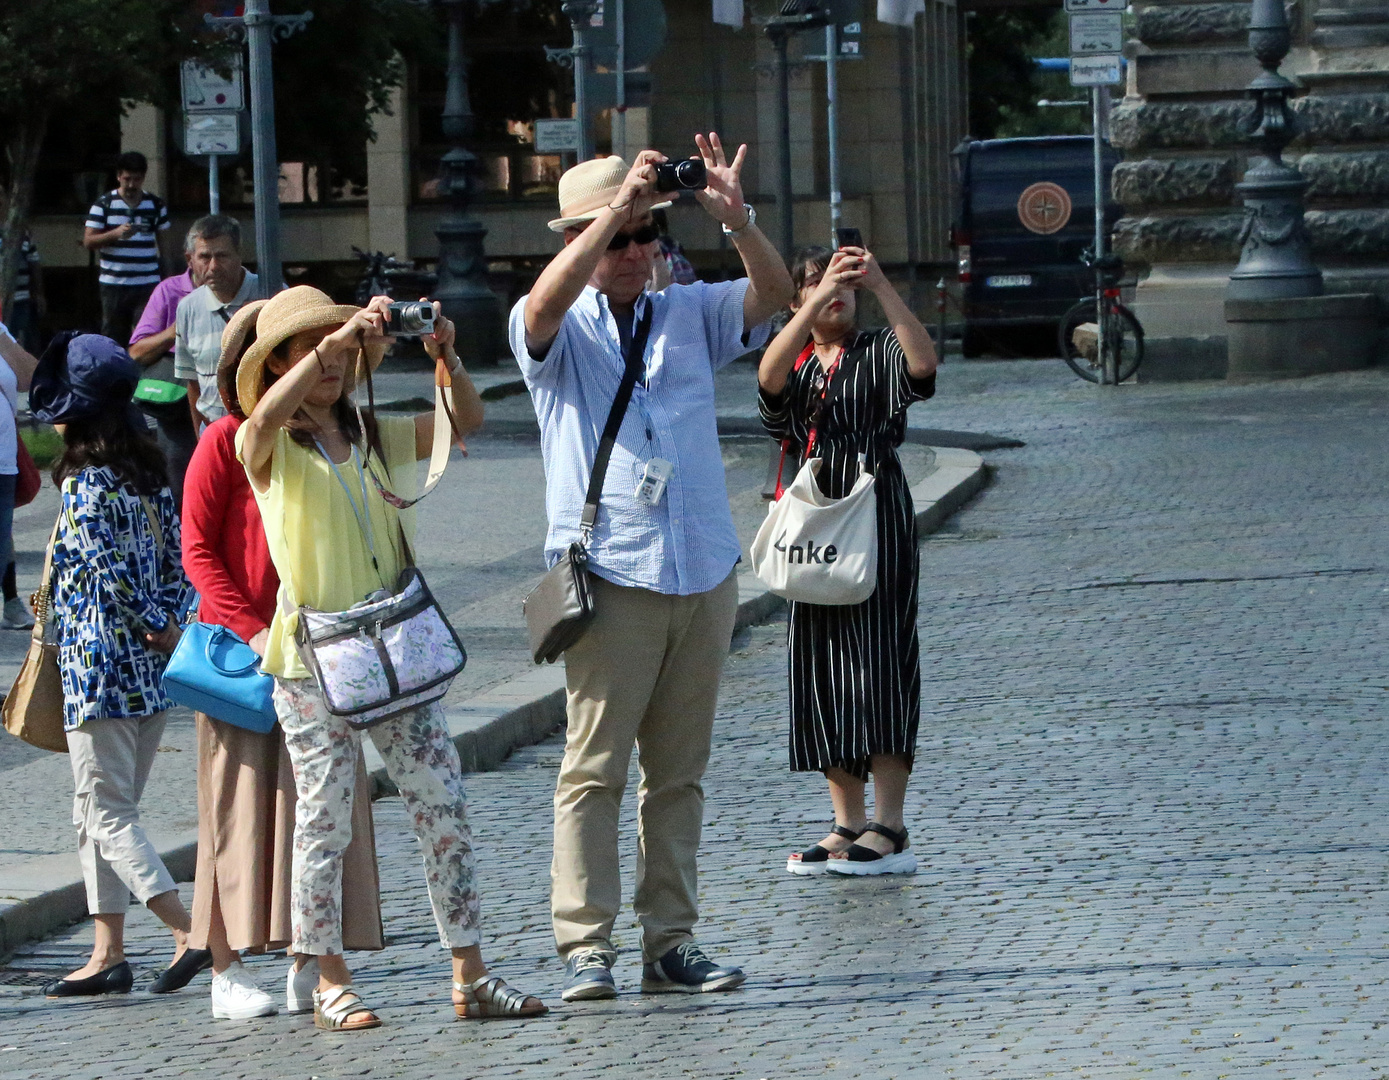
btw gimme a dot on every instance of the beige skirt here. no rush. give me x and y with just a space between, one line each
246 843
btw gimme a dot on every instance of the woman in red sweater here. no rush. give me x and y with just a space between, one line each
246 795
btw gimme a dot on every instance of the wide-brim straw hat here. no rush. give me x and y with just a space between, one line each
588 187
284 315
241 326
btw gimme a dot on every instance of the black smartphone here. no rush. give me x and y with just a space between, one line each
848 238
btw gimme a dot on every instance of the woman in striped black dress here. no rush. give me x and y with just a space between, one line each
835 392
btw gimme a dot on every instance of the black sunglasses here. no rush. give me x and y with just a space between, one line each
644 235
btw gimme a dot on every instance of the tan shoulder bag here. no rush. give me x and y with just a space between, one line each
33 708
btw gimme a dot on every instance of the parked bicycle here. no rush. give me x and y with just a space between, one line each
385 275
1111 356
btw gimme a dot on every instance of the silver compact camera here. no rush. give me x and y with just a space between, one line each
409 318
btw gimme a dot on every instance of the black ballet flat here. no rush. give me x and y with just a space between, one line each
180 973
117 979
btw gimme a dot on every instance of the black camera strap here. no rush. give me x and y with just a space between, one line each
634 365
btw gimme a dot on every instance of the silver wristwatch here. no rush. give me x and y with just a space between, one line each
752 220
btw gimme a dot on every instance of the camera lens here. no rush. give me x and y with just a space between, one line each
690 174
414 318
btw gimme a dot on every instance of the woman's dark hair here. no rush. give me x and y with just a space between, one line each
302 429
110 440
806 261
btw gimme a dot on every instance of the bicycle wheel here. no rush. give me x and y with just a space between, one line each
1085 363
1123 333
1128 340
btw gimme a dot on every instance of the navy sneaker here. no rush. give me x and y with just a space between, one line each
686 970
588 976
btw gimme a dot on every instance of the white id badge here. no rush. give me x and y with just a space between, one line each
652 485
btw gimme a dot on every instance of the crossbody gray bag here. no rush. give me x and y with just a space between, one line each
560 608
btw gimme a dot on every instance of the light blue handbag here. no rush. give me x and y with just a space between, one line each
213 671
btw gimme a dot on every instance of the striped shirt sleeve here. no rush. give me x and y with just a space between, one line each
96 217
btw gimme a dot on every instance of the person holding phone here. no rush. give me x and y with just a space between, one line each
837 392
123 225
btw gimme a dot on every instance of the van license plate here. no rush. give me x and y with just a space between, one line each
1008 281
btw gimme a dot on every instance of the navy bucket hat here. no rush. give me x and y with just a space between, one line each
81 376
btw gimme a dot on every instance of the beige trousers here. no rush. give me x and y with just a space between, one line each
646 674
111 760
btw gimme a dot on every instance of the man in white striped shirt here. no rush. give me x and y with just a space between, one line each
124 226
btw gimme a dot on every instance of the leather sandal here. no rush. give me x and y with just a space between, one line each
491 999
813 860
860 861
332 1009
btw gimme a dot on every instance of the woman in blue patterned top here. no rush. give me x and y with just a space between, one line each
117 587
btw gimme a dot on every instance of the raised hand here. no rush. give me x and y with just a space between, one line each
723 195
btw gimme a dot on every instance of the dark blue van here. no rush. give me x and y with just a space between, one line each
1025 211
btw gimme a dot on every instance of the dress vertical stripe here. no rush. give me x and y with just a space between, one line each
854 670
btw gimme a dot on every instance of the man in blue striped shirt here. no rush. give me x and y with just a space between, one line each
646 672
124 226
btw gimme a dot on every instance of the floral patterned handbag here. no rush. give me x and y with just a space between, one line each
388 654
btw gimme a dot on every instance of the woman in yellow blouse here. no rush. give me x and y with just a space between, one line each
335 540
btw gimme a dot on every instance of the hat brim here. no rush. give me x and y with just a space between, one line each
560 224
250 373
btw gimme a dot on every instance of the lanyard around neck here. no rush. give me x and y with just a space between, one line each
363 516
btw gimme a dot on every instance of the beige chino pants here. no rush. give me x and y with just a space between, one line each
646 674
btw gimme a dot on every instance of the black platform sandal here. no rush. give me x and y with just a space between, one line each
860 861
813 860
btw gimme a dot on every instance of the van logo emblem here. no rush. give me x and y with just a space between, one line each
1044 207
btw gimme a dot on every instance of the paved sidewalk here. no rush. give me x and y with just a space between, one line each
1149 802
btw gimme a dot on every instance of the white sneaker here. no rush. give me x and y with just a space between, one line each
300 985
235 996
16 616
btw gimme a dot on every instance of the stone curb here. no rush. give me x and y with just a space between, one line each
520 712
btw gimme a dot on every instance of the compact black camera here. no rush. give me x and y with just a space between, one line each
687 175
409 318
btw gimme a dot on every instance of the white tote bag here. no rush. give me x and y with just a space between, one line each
818 550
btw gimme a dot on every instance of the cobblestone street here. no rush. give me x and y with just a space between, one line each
1149 802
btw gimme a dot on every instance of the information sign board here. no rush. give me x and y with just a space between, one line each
211 133
1097 33
556 136
206 90
1096 70
1096 5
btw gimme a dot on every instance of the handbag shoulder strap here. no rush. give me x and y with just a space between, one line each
634 365
43 597
155 527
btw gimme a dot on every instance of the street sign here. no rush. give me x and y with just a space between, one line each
556 136
1096 70
1097 32
1096 5
212 133
205 90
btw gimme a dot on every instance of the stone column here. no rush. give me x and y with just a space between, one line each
142 129
1184 131
388 179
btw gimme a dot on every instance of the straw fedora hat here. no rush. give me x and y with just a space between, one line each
284 315
588 187
241 326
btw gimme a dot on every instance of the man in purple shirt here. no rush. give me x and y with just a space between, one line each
162 397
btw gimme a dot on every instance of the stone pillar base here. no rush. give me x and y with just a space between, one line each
1294 336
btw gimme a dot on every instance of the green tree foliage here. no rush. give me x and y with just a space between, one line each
1005 85
57 54
332 76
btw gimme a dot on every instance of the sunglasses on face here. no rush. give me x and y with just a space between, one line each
644 235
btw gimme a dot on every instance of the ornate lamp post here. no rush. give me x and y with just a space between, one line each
1276 260
462 289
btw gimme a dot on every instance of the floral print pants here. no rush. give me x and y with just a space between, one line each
422 761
